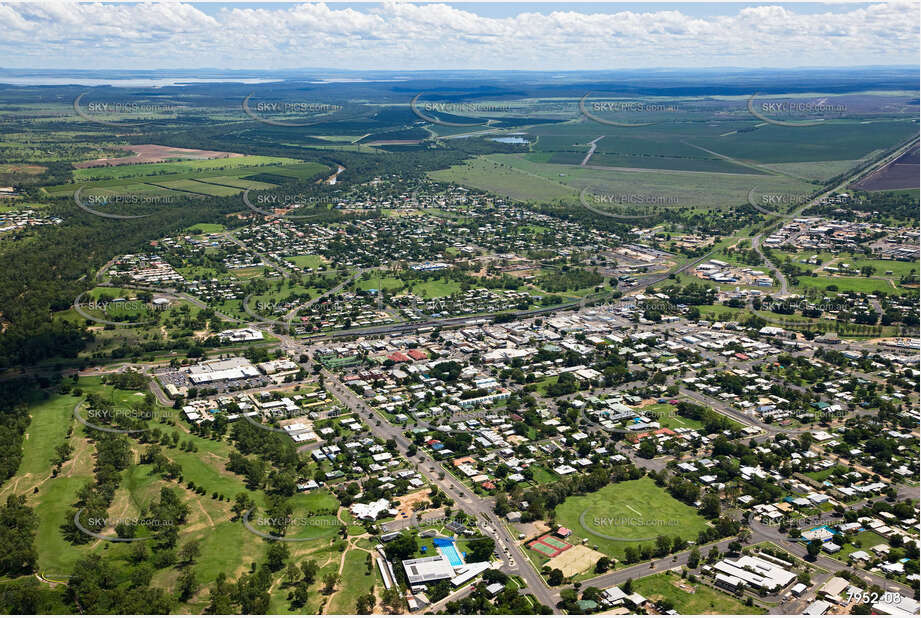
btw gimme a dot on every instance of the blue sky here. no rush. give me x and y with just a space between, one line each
429 35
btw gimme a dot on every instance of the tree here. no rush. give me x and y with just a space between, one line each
292 574
603 564
555 578
481 549
710 506
189 552
329 582
628 586
301 592
309 568
364 604
392 600
630 554
18 524
242 503
694 558
187 585
277 556
813 548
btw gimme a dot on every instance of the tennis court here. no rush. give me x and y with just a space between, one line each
555 542
549 546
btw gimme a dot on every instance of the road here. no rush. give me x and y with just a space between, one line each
265 260
782 278
334 290
593 145
481 508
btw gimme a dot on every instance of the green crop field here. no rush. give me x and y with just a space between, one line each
520 178
178 167
197 187
144 179
631 513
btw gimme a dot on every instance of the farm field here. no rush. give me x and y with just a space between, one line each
631 513
519 178
184 178
178 167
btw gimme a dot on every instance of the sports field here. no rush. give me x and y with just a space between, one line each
632 513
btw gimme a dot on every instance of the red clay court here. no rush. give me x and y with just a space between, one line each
549 546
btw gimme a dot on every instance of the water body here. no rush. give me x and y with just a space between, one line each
127 83
510 140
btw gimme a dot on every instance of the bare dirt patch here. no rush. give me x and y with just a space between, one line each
574 560
410 502
154 153
532 529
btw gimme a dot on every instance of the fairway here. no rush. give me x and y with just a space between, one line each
630 513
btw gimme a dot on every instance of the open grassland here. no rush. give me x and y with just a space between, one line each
493 175
867 285
631 513
517 177
437 288
308 261
691 598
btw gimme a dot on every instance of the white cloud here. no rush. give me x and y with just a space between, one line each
433 36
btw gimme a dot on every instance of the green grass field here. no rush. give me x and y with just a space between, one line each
867 285
703 599
308 261
633 513
382 283
669 418
436 289
861 541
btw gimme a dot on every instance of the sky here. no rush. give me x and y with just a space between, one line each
433 35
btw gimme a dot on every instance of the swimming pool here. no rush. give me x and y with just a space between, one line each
450 552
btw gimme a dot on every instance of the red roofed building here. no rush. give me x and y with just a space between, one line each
488 485
399 357
418 354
